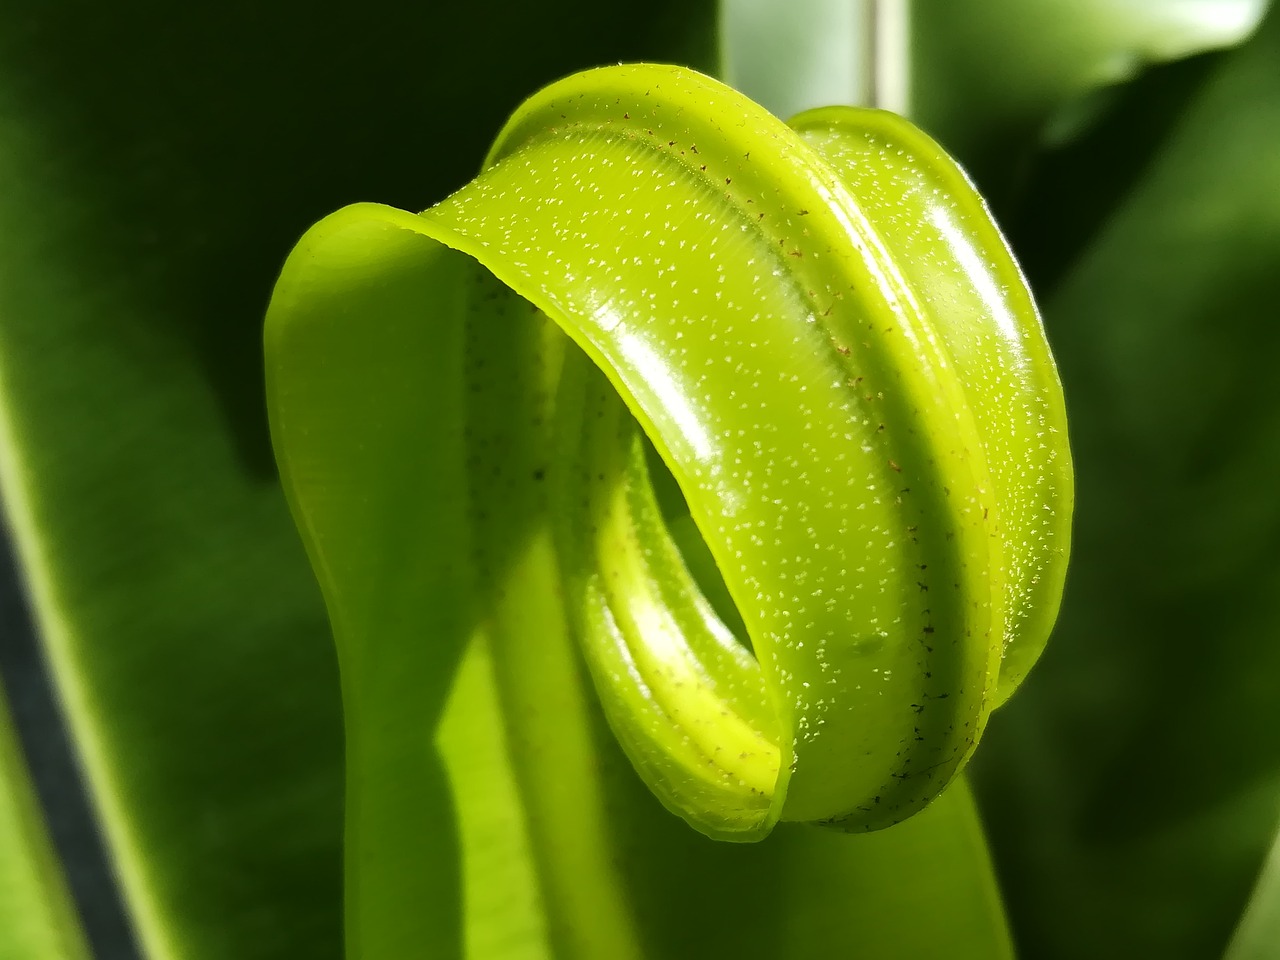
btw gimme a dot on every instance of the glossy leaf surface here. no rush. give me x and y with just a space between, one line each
739 292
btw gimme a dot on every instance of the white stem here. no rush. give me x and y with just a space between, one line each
887 75
790 55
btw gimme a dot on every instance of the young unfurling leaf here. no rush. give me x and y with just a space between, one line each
814 329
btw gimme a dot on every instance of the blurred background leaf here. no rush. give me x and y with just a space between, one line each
994 80
1133 786
1258 935
36 914
162 159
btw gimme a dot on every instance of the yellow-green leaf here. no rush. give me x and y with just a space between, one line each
816 332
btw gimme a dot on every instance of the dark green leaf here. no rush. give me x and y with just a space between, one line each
36 915
1132 786
992 79
1258 935
160 159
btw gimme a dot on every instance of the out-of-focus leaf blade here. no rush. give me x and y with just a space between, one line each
37 918
159 161
1258 935
923 889
987 77
1072 189
1132 788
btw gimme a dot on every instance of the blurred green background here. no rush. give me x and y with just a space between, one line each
163 648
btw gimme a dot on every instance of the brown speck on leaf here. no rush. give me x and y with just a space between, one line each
894 466
693 147
625 116
804 213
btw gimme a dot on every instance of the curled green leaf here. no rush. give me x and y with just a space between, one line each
767 408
